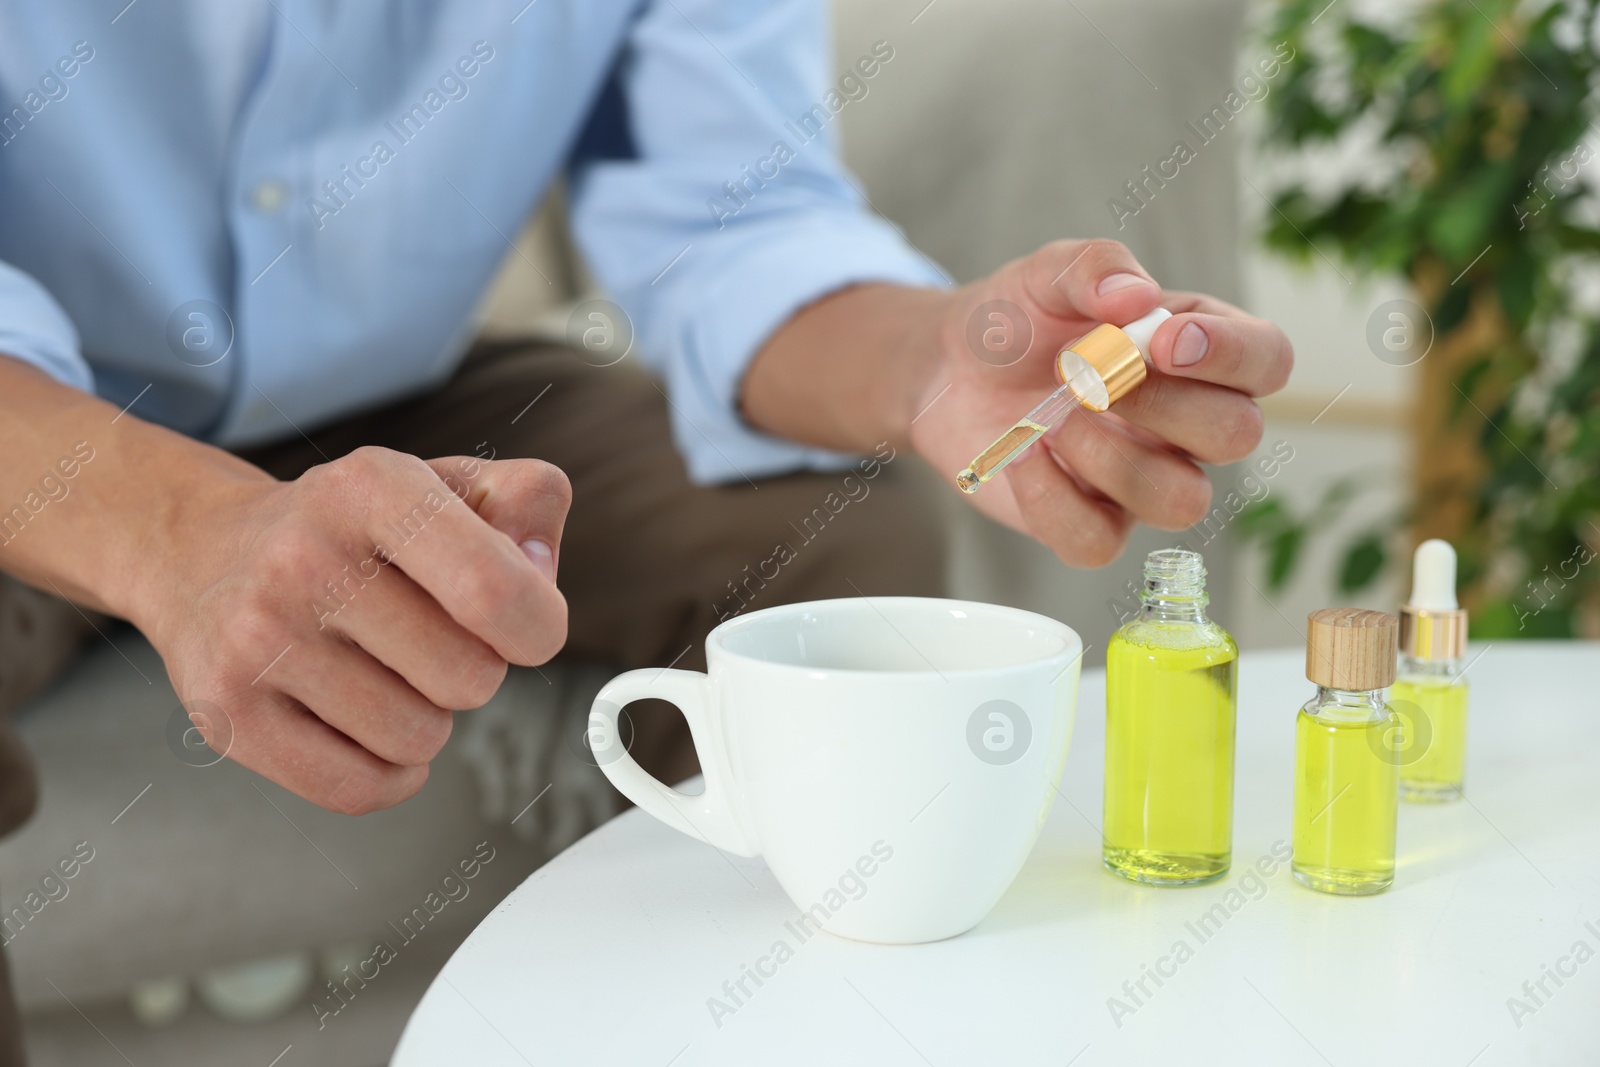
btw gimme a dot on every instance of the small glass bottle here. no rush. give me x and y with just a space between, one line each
1171 677
1346 782
1430 691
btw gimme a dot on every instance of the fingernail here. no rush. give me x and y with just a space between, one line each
1190 347
543 556
1112 283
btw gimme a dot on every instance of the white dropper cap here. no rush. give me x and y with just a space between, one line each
1140 331
1433 576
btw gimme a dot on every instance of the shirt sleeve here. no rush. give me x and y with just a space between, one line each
34 329
723 209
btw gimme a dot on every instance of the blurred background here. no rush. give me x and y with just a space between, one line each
1403 187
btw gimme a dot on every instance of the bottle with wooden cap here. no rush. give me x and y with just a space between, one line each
1346 786
1430 691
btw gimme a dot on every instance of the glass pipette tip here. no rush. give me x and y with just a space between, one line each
1050 412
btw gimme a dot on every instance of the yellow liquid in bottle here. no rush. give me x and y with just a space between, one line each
1170 691
1436 774
1346 800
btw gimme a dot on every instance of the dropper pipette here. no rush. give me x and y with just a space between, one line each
1051 412
1095 371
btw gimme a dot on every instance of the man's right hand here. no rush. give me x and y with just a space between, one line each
319 631
322 631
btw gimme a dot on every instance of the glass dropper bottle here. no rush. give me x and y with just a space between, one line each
1171 685
1095 371
1430 686
1347 774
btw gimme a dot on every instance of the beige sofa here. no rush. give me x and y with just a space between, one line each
998 125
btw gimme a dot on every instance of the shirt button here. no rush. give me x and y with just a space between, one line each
269 196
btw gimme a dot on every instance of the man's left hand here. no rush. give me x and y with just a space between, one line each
1084 486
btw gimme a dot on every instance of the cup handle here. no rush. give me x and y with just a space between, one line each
714 816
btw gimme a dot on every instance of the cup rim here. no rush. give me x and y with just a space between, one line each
1071 651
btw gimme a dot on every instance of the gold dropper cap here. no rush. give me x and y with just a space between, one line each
1432 625
1102 366
1107 363
1350 648
1433 635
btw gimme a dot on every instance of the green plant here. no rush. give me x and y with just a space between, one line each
1475 111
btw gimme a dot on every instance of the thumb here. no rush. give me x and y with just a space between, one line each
1097 279
525 499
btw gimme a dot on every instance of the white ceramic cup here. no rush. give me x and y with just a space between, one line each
891 758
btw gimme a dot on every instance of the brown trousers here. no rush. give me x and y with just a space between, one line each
649 562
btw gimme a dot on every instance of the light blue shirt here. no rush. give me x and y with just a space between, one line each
248 218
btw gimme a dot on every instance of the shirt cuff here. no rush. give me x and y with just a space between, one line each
727 321
35 330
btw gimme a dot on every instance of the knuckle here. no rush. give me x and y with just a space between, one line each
1065 247
355 805
323 477
1152 398
287 549
1102 551
254 626
552 633
548 480
485 594
1283 364
368 463
358 479
404 783
365 792
479 679
327 484
1101 254
1028 489
353 796
1243 432
425 739
554 481
1106 248
1096 456
1189 501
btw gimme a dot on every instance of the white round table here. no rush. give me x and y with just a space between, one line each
612 953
